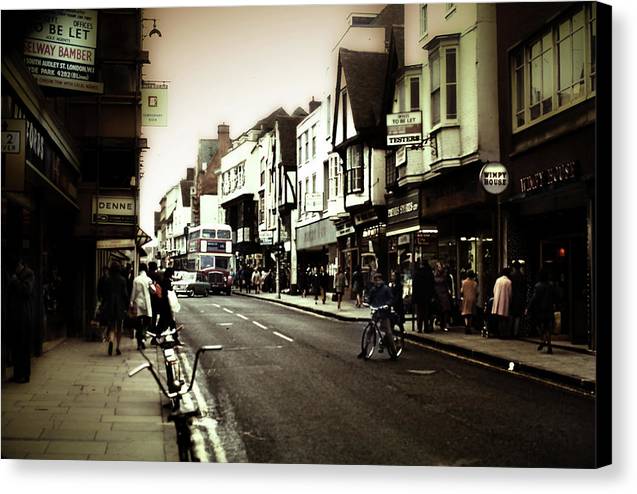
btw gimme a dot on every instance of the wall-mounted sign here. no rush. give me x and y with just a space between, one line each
494 177
550 176
59 50
403 208
401 156
314 202
117 210
266 237
154 104
322 232
13 146
404 128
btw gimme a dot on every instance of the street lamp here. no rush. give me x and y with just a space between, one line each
154 30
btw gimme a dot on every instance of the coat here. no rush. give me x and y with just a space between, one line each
339 283
115 301
501 296
542 303
140 295
441 288
469 292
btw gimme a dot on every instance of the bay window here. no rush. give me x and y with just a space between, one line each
443 70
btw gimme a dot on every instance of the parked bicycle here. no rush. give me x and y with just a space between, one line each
180 415
374 334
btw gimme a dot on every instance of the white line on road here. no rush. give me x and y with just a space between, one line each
259 324
228 311
210 425
216 305
225 323
242 317
282 336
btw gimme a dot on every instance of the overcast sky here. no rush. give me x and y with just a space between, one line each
232 65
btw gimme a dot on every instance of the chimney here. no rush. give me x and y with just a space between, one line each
314 105
190 173
223 131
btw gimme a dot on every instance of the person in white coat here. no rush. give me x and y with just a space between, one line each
501 301
140 304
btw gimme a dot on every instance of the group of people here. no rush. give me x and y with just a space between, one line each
144 301
315 281
257 279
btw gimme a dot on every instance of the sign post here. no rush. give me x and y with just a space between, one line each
494 177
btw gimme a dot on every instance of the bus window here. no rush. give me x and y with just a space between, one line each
208 233
222 262
207 262
224 234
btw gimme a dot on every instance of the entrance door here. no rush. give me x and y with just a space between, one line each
565 261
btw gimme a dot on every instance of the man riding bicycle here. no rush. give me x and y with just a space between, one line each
381 295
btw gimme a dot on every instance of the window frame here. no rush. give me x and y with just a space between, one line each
355 169
523 50
423 19
440 54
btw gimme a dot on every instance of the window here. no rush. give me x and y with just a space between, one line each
313 183
555 69
355 168
443 67
326 183
423 20
391 174
262 170
314 141
299 159
307 189
335 174
306 154
414 93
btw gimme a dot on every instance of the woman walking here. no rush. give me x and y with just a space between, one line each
469 291
542 309
339 285
166 317
396 286
115 305
357 286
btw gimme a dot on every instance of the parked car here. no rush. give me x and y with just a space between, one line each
220 280
191 283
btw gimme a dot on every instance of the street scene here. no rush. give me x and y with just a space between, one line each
370 241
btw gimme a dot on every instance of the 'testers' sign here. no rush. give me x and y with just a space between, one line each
404 128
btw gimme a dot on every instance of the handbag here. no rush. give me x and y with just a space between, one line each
174 303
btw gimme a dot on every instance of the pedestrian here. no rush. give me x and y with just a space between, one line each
324 281
502 302
357 286
443 296
166 316
396 286
518 296
21 296
422 293
155 293
316 284
542 309
256 280
141 304
115 305
339 285
469 292
101 283
247 278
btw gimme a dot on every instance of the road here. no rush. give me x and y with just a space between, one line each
288 388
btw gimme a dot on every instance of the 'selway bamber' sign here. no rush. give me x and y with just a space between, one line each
59 51
404 128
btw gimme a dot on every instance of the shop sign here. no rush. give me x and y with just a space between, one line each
316 234
555 175
494 177
404 128
115 210
403 239
314 202
403 209
266 237
59 50
374 231
154 104
13 148
401 156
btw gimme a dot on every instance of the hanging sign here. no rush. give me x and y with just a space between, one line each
494 177
404 128
154 104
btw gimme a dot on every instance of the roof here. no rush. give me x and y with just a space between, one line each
267 123
287 137
365 78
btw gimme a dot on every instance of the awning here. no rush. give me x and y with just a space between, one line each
402 227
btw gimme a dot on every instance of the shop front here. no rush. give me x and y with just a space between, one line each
316 246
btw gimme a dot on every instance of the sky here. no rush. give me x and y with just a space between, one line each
231 65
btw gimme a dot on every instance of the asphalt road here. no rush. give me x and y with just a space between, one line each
288 388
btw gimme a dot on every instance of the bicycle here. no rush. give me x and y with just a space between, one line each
181 416
374 335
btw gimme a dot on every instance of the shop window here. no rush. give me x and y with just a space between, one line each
556 69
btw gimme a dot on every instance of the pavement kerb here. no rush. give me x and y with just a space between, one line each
500 363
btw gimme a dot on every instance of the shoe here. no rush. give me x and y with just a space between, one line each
143 345
540 346
110 348
118 352
360 355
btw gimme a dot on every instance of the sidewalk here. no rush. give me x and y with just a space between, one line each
81 405
570 365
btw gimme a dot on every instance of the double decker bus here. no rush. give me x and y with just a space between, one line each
210 247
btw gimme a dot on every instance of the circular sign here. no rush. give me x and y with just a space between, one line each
494 177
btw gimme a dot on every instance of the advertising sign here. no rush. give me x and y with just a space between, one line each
13 148
154 104
59 51
118 210
404 128
494 177
314 202
403 208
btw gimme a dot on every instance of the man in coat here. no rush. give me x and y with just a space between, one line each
141 304
22 293
502 291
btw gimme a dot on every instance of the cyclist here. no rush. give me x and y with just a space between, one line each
381 295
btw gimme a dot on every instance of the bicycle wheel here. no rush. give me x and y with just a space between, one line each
399 342
368 340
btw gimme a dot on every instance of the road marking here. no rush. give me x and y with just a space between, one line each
422 372
242 317
225 323
228 311
208 424
217 306
282 336
259 324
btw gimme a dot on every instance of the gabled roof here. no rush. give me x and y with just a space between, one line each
365 79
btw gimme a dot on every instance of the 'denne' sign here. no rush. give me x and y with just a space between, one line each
114 209
494 177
